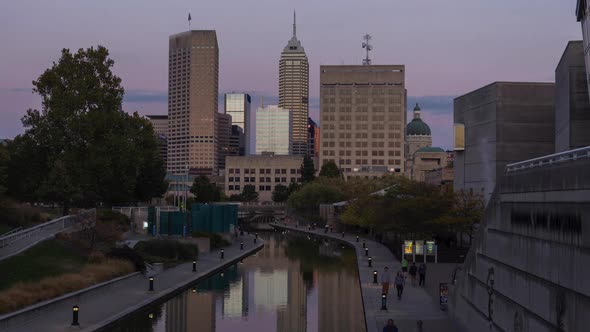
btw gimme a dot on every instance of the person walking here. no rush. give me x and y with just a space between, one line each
404 266
399 284
385 280
413 270
390 327
422 273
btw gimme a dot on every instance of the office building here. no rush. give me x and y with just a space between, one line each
162 142
224 124
362 118
418 136
426 159
582 10
572 105
263 172
236 141
193 70
160 124
238 106
499 124
294 89
313 139
274 130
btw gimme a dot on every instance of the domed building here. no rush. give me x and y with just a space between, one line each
420 155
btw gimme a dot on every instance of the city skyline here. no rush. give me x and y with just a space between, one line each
329 39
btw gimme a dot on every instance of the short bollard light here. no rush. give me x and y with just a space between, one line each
151 289
242 246
222 254
222 274
194 290
309 228
194 266
342 234
75 310
256 235
375 277
331 229
364 245
254 240
326 230
367 252
357 238
383 301
370 262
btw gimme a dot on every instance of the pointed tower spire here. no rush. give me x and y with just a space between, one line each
294 24
417 111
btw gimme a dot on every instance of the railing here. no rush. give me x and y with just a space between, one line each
16 242
11 232
580 153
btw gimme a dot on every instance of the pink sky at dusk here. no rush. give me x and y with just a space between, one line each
449 47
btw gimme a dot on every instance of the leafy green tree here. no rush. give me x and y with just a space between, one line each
205 191
280 193
330 170
236 198
4 161
307 200
79 149
307 170
249 193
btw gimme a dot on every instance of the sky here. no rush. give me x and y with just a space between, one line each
448 47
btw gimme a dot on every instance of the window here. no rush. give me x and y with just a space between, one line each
230 187
237 187
283 180
267 188
268 179
252 179
261 188
277 180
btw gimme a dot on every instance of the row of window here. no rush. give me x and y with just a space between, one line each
263 171
263 179
365 162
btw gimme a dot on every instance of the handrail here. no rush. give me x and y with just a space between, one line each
580 153
11 232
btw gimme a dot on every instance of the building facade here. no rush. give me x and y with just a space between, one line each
238 106
224 124
236 142
160 124
582 10
418 136
263 172
313 139
362 118
193 76
572 105
274 127
427 159
294 89
502 123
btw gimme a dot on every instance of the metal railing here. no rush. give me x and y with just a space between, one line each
576 154
14 243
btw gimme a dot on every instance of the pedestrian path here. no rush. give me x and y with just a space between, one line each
132 294
415 304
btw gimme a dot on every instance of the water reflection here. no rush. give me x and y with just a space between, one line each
293 284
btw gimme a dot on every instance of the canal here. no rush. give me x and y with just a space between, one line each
293 284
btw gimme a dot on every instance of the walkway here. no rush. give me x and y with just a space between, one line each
415 305
132 294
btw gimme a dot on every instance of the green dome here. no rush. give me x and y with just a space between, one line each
417 127
430 149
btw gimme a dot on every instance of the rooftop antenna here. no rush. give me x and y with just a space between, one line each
294 24
368 47
189 21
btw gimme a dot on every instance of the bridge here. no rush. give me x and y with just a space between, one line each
261 213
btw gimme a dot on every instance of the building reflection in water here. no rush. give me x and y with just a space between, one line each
275 284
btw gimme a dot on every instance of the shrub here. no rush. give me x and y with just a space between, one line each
110 216
169 249
215 240
126 253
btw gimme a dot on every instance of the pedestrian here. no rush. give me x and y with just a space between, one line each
390 327
413 270
399 284
404 266
385 280
422 273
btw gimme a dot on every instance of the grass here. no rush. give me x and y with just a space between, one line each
47 259
24 294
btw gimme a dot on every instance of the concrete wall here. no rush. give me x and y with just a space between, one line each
541 263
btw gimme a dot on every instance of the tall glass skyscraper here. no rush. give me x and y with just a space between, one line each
274 127
238 106
294 89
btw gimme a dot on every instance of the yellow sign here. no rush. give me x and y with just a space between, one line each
459 130
408 246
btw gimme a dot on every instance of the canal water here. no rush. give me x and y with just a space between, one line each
294 283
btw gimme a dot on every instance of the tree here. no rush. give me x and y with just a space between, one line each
280 193
249 193
4 161
307 170
205 191
330 170
468 209
79 149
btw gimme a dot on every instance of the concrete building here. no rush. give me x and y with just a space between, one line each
582 10
501 123
238 106
362 118
427 159
418 136
274 130
237 142
193 75
263 172
162 147
440 177
572 105
528 268
224 123
160 124
313 139
294 89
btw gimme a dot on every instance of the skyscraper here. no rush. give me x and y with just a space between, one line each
294 89
238 106
363 115
223 138
274 130
193 75
313 139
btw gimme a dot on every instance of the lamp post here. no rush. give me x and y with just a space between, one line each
194 266
222 254
367 252
357 238
75 310
151 289
342 234
375 277
383 301
370 262
241 245
364 244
